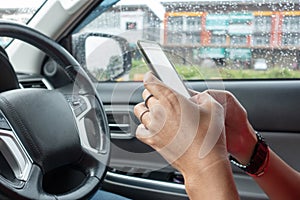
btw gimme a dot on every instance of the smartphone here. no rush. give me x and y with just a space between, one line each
161 66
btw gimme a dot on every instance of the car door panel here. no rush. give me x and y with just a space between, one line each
257 42
272 109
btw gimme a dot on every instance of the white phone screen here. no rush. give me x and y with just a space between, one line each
162 67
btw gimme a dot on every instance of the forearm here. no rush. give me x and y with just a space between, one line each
279 181
214 182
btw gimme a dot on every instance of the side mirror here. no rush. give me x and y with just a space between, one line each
105 56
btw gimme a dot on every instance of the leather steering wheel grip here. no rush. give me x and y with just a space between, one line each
8 80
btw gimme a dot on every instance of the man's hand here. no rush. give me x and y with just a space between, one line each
179 129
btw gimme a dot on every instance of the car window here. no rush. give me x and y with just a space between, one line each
207 39
19 11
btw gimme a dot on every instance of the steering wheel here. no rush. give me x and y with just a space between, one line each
54 144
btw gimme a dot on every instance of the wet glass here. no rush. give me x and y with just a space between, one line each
211 39
20 11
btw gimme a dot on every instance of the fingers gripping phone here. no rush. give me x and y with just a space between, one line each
161 66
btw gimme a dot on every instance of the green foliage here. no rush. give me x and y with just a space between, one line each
100 74
272 73
204 73
138 67
114 67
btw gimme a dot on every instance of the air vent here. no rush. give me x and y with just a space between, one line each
120 124
34 83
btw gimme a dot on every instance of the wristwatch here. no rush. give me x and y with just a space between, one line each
259 160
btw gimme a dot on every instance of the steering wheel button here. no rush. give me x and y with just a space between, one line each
77 111
75 103
83 107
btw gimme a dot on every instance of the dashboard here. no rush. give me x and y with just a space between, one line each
33 81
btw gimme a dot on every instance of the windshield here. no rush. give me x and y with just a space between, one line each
18 10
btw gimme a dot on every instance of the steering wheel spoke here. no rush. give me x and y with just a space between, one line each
13 151
86 110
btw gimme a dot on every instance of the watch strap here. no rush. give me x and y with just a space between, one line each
259 159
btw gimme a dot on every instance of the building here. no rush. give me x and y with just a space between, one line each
226 31
235 31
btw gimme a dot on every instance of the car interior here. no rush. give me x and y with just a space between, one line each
71 74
